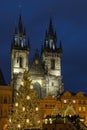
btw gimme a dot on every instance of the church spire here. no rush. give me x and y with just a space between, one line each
50 38
20 27
50 27
28 43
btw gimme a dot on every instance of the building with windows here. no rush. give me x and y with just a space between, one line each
69 104
5 104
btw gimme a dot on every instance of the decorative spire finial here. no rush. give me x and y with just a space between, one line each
20 8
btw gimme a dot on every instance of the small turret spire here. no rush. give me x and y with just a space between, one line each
24 33
60 45
50 26
28 43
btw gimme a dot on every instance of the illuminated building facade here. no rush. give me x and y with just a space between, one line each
68 104
46 68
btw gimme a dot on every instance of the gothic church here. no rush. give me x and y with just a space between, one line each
45 70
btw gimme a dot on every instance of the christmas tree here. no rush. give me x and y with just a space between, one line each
25 113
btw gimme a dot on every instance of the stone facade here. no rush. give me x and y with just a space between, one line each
46 67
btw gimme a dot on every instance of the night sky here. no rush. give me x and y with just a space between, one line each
70 22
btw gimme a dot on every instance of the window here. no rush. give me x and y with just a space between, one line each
53 64
5 112
5 100
65 101
0 112
74 101
21 62
84 102
79 102
9 99
1 99
84 109
79 108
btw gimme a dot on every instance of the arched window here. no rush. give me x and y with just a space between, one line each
52 64
21 62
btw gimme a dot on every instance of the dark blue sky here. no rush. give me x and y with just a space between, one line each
69 21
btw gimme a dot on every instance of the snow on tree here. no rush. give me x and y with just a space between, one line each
25 111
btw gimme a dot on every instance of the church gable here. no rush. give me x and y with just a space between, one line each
36 67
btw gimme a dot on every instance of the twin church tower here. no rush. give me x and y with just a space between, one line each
45 69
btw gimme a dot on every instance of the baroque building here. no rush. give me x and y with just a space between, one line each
69 104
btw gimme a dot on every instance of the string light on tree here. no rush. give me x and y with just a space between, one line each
28 97
22 83
16 104
23 108
31 87
10 120
36 108
26 114
27 120
19 125
17 94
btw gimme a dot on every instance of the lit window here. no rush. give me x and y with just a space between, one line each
79 108
83 108
65 101
82 120
74 101
50 120
46 121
